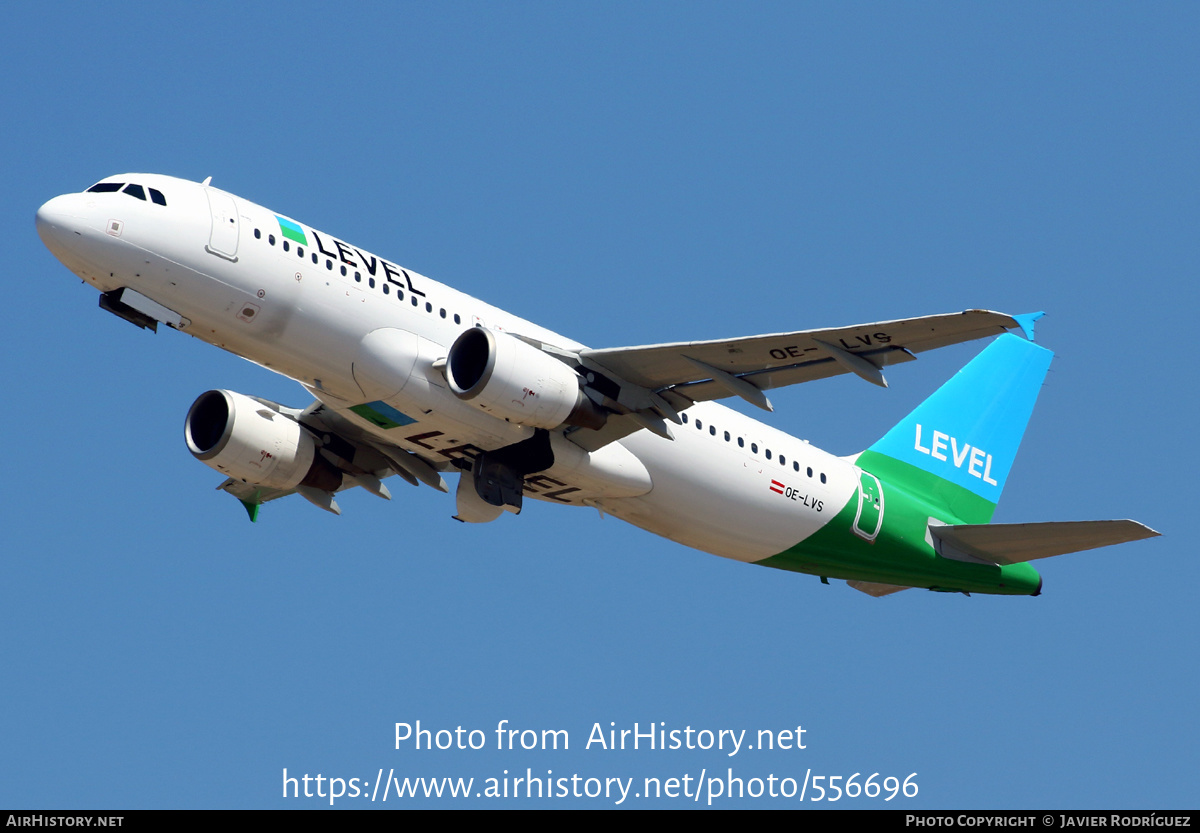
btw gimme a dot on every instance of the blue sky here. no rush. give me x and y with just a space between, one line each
624 174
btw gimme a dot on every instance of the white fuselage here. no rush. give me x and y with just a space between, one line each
324 313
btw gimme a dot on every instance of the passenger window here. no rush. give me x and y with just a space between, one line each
795 466
157 196
741 442
257 234
726 436
810 471
428 307
314 256
457 320
443 313
822 477
414 300
754 447
371 282
134 190
699 424
286 245
684 417
343 271
712 429
385 289
782 460
300 251
271 239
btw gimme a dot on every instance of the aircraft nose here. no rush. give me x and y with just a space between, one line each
60 219
55 219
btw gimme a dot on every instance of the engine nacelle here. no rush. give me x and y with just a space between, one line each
513 380
244 439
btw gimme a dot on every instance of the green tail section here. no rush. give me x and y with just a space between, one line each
901 553
956 504
945 463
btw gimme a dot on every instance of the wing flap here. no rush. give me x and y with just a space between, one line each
1015 543
778 377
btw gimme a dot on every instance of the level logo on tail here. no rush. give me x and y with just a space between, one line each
951 457
968 432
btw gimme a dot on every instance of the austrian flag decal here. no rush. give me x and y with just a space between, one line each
777 487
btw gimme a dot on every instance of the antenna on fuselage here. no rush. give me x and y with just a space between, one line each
207 180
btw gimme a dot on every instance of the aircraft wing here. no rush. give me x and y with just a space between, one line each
680 374
772 361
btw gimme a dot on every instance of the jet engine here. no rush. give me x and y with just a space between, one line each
507 378
244 439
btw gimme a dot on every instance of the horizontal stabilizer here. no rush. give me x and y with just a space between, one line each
1015 543
875 588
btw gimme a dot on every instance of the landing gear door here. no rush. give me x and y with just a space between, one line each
869 519
223 242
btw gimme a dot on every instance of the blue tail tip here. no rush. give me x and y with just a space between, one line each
1026 322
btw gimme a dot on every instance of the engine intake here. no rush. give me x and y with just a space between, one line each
244 439
510 379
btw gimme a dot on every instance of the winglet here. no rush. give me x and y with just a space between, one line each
251 509
1026 321
251 504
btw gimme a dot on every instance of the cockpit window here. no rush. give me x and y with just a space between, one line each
132 189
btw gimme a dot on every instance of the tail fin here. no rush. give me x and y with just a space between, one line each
967 433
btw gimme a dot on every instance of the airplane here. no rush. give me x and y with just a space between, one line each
414 379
